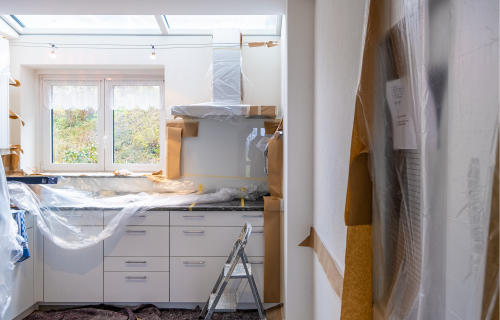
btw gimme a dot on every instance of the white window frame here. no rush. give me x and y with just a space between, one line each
105 131
110 166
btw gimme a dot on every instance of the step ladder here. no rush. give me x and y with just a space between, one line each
233 269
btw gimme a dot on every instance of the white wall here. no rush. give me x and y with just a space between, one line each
338 42
185 83
298 157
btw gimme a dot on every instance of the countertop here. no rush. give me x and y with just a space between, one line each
235 205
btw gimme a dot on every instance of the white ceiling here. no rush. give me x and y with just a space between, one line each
142 7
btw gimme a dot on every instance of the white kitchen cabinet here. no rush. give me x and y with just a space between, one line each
136 287
212 241
193 278
82 217
73 275
148 218
134 264
22 290
138 241
217 218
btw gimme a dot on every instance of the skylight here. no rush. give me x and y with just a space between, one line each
228 21
88 22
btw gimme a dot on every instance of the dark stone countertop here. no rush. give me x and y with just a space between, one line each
235 205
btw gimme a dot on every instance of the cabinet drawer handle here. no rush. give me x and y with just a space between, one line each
257 262
194 262
73 215
194 216
135 278
257 231
193 231
135 231
253 216
135 261
142 216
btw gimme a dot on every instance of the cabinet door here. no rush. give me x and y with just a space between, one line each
73 275
22 290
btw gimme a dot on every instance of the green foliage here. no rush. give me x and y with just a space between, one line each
136 136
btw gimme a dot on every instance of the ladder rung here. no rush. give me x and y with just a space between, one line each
239 270
227 302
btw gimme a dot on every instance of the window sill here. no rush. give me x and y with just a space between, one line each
95 174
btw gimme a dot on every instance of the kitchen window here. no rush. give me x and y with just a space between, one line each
102 124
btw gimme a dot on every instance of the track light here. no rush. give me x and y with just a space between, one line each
153 54
53 52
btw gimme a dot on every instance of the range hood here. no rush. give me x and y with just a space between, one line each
227 85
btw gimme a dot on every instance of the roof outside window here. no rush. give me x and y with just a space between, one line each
88 21
256 22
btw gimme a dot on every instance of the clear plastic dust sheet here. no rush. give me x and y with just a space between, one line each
427 108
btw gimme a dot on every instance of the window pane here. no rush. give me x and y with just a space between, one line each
136 135
227 21
74 130
89 21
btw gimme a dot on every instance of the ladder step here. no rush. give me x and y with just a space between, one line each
239 271
227 302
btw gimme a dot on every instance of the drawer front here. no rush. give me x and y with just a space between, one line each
193 278
136 287
138 241
82 217
217 218
213 241
148 218
142 264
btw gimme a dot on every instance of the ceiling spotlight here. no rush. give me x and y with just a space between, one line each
153 54
53 52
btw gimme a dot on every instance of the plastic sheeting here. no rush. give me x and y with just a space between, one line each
10 245
54 206
427 67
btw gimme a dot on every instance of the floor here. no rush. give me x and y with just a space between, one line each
141 312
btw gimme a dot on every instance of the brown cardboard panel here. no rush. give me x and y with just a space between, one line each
189 129
356 148
6 160
270 127
492 259
357 289
275 166
329 265
276 313
13 115
360 189
174 153
268 111
272 236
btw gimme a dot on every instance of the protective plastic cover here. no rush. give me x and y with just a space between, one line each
427 108
10 245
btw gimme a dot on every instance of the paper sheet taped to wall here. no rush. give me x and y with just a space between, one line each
402 119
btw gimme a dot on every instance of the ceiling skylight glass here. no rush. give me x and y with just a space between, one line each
88 22
215 22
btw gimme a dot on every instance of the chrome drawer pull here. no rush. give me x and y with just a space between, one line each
193 231
194 216
257 231
143 216
135 278
253 216
258 262
73 215
194 262
135 261
135 231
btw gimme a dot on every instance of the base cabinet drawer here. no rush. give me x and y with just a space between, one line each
136 287
193 278
213 241
138 241
217 218
142 264
73 275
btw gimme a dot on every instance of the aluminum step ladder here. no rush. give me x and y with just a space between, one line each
233 269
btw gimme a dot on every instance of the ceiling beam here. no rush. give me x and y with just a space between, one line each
162 24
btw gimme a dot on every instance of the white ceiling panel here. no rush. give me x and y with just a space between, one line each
142 7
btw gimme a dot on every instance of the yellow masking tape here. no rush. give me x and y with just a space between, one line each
191 206
242 199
